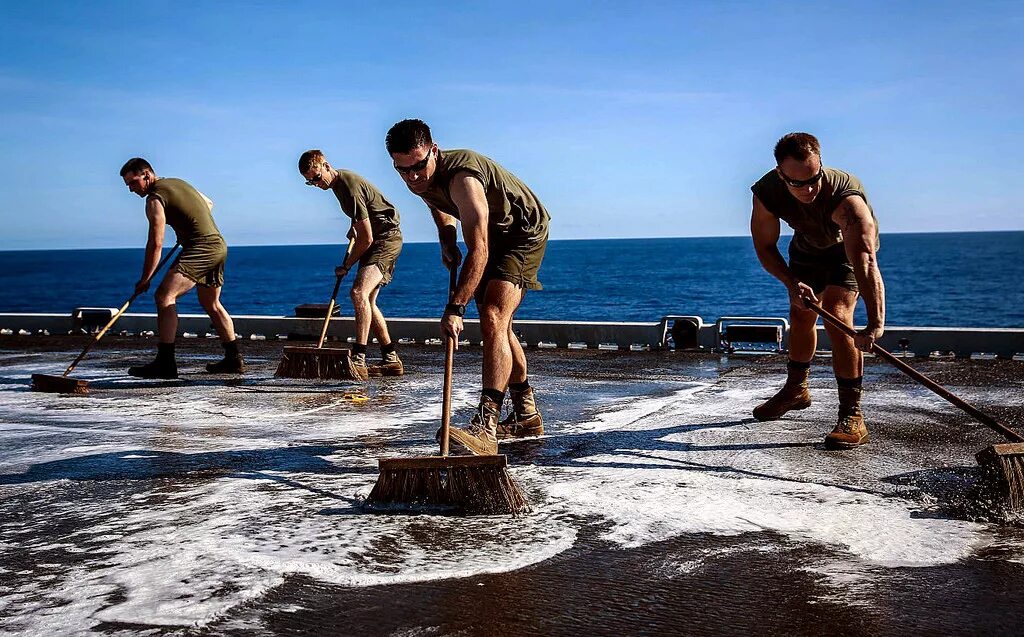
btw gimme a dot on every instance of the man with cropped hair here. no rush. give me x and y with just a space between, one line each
378 241
174 202
831 262
505 228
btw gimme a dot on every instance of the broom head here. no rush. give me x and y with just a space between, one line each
469 484
1002 467
59 384
317 362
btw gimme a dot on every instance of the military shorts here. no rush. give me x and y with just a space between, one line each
515 259
202 262
383 253
824 268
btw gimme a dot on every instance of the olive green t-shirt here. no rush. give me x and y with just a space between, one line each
184 209
513 210
813 228
360 200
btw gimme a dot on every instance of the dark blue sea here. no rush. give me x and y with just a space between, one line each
942 279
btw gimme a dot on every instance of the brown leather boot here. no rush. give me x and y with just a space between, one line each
524 420
357 367
793 395
390 365
480 436
850 430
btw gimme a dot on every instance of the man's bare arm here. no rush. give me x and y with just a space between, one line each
858 226
362 232
448 235
468 194
154 242
765 230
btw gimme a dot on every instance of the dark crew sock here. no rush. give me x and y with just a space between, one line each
358 348
520 387
496 395
797 365
165 350
386 349
231 349
852 383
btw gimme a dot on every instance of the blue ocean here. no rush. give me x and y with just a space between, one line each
940 279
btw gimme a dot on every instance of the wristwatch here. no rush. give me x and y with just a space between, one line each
455 308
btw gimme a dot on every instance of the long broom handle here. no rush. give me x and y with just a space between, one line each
334 296
975 413
449 363
114 318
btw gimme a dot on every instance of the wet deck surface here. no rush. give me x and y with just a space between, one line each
215 505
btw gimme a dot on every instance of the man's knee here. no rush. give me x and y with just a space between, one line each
493 321
359 293
164 297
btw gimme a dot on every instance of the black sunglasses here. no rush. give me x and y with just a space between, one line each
802 183
418 166
315 180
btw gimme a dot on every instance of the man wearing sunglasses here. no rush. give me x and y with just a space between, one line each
505 228
175 203
831 261
378 241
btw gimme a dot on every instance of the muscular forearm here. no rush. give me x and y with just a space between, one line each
869 280
359 248
447 235
152 258
470 277
773 263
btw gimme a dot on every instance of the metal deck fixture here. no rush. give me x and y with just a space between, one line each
751 334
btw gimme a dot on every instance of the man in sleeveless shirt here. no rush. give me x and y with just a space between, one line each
174 202
378 241
831 261
505 228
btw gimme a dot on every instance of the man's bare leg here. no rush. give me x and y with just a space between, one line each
366 282
232 362
173 285
848 364
209 298
847 360
497 302
500 301
378 323
803 340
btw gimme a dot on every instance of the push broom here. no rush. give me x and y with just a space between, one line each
63 384
320 362
1001 464
472 484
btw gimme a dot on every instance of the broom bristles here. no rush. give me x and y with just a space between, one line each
1003 469
59 384
316 363
476 490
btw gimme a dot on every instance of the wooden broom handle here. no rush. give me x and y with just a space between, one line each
449 363
113 319
334 296
974 412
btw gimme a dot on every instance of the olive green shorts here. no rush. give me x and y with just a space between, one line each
819 270
203 261
516 260
383 253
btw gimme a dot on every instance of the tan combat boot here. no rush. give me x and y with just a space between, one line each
358 367
480 436
793 395
390 365
850 430
524 420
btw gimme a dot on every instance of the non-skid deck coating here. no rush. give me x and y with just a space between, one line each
211 505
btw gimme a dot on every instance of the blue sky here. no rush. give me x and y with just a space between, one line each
628 119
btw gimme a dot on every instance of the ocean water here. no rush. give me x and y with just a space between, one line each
938 279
